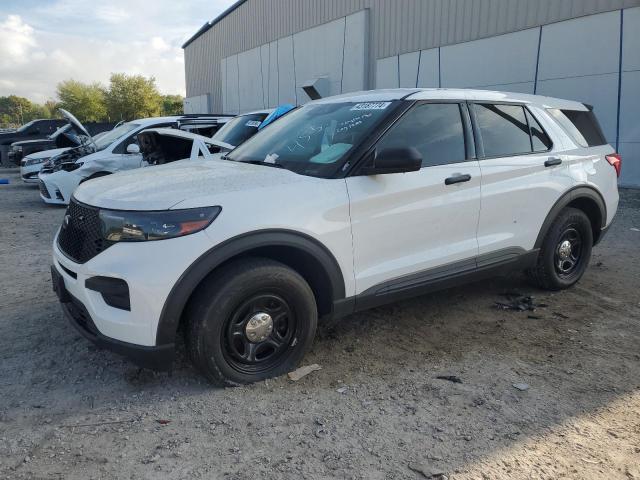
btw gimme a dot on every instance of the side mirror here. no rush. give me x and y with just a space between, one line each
133 148
394 160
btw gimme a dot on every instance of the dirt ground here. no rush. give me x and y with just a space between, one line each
376 409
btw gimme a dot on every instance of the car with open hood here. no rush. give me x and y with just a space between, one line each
116 150
346 203
65 136
31 162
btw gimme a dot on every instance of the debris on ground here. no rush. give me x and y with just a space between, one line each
635 229
163 422
303 371
561 315
450 378
518 302
342 390
427 471
521 386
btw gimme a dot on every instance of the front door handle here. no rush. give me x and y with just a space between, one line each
553 161
457 178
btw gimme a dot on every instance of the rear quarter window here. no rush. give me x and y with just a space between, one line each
581 125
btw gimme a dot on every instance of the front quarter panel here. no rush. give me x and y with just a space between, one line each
318 208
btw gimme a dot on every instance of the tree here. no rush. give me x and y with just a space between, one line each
17 111
172 105
85 101
132 96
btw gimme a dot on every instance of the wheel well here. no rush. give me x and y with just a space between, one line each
304 263
591 210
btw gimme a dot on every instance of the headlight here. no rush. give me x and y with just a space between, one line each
16 149
122 226
35 161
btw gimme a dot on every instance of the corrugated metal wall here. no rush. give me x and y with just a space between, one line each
397 26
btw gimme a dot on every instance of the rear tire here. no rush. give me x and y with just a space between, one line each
254 319
565 252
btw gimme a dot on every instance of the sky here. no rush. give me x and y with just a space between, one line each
44 42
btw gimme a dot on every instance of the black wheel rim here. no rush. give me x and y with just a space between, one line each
251 355
568 252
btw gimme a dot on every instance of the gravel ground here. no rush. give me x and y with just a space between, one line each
376 409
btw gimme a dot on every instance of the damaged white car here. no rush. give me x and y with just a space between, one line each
114 151
164 145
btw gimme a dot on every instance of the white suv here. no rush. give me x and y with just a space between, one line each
346 203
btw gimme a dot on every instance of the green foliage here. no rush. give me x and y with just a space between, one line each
16 111
126 98
85 101
172 105
132 96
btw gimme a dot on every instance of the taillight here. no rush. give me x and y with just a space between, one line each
615 160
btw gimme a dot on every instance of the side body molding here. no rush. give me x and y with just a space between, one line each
577 193
241 244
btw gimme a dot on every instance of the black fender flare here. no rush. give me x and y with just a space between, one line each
569 196
205 264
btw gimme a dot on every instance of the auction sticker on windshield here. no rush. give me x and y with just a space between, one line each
371 106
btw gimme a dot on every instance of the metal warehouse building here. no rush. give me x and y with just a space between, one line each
260 53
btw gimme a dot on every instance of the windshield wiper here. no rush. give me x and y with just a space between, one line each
260 162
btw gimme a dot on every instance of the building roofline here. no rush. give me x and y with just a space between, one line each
207 26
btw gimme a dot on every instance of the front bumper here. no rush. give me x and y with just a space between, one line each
156 357
14 156
149 270
56 188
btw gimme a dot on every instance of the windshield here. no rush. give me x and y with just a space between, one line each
25 126
111 136
239 129
315 139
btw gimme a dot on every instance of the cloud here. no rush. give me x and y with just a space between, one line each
16 41
159 44
45 42
112 14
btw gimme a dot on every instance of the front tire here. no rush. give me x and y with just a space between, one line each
565 252
254 319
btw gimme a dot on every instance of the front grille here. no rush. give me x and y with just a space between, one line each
80 237
43 190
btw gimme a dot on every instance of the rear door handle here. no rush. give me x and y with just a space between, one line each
553 161
457 178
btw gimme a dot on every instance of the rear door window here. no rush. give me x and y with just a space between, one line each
582 126
434 129
504 129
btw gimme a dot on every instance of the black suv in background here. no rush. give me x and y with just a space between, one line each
35 129
65 136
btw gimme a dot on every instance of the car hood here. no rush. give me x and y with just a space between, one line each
47 153
166 186
75 122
